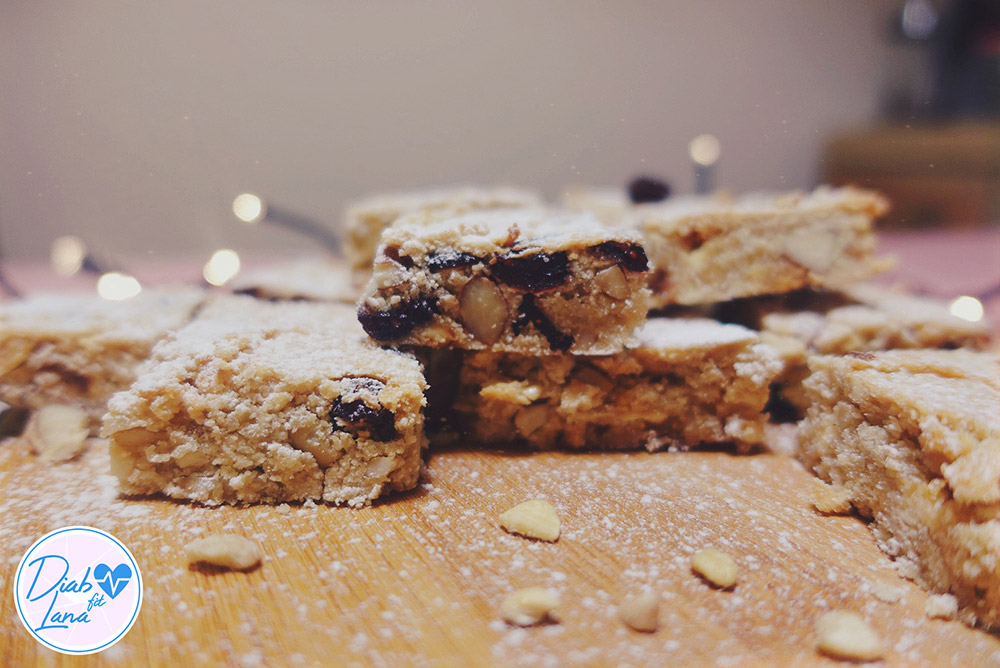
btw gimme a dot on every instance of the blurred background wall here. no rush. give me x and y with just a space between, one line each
134 125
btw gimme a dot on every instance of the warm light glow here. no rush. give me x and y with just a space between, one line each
705 149
248 208
221 267
117 286
967 308
67 255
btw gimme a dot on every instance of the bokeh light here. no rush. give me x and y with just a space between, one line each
116 286
221 267
967 308
67 254
248 207
705 149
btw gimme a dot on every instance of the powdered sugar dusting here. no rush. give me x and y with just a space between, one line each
418 579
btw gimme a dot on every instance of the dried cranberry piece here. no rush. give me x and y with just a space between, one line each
629 256
532 271
530 313
398 322
354 416
450 260
645 189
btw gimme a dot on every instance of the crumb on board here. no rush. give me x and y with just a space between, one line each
529 606
887 593
941 606
717 567
845 635
831 499
641 612
534 519
225 551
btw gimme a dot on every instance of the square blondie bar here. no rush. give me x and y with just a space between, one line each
533 282
687 382
861 318
365 219
79 349
707 250
306 279
914 437
267 402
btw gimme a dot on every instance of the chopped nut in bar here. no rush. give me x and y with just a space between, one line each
687 382
270 402
528 281
914 436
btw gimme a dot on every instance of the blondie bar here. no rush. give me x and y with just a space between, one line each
524 281
266 402
707 250
864 317
688 381
307 279
79 349
366 219
914 436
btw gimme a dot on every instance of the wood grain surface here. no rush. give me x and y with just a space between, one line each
418 579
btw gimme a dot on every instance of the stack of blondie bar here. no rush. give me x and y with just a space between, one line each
532 323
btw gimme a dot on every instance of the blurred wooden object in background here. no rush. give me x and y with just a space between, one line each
936 174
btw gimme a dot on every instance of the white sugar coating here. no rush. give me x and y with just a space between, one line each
144 317
300 358
227 315
391 205
482 233
301 341
687 333
822 199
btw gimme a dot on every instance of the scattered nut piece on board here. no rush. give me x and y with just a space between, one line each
641 613
716 567
941 606
529 606
887 593
225 550
534 519
845 635
57 433
831 499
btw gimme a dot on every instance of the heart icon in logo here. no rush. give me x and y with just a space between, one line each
112 581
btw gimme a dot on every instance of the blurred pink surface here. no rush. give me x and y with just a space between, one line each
941 263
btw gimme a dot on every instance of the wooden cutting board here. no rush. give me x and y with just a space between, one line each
418 579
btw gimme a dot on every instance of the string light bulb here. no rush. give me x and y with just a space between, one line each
221 267
705 150
249 208
67 255
118 286
967 308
